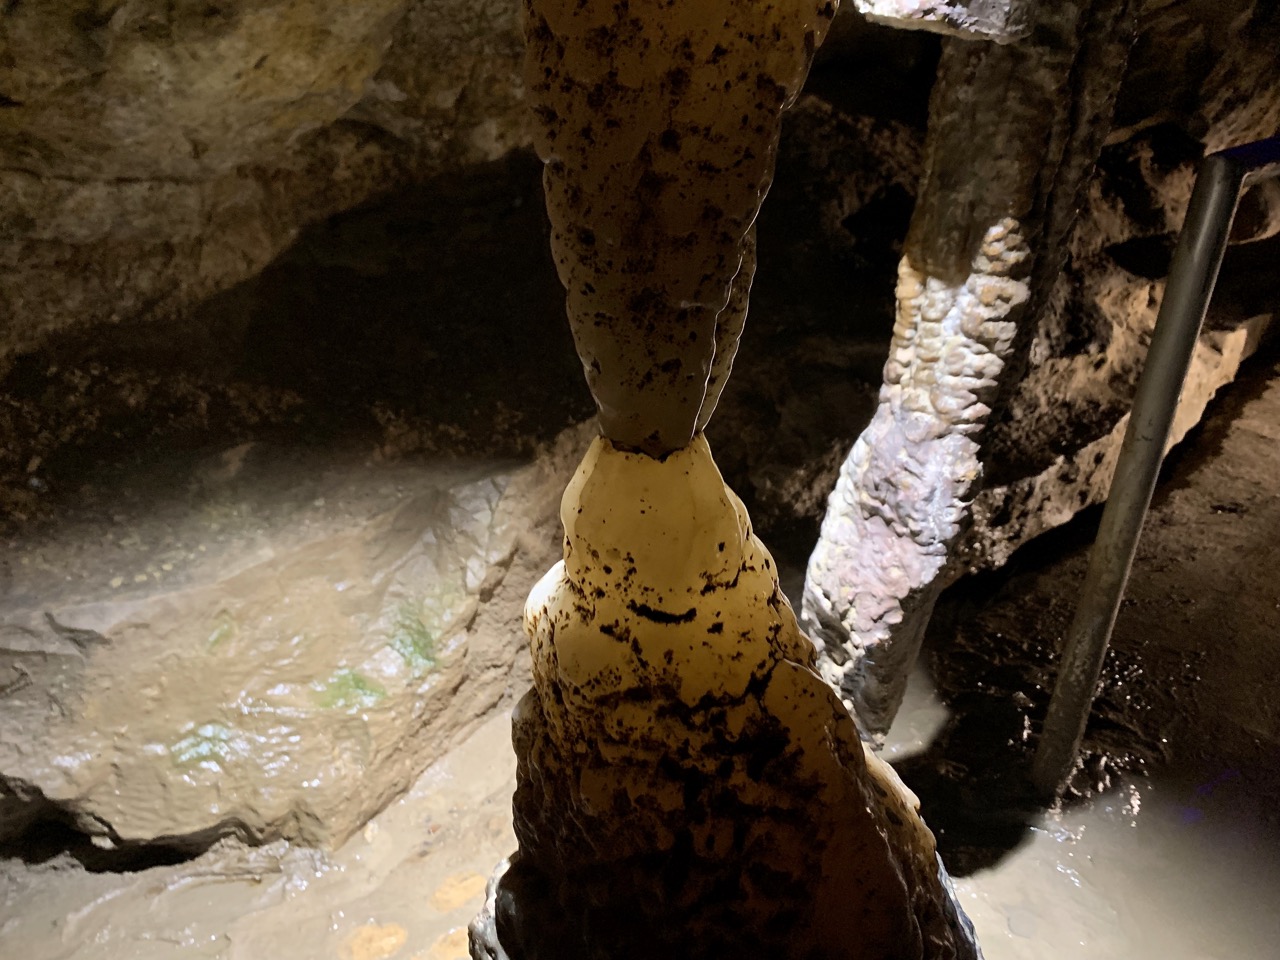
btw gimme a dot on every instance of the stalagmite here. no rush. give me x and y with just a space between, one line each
1014 131
688 786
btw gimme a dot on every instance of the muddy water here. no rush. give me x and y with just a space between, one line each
1180 865
1161 869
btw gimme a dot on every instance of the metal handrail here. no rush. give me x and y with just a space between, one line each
1222 178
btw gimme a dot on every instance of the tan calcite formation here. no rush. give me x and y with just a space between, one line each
659 123
688 785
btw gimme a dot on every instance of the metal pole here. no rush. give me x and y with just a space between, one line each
1192 276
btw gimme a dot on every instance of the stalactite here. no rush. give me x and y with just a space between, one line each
659 127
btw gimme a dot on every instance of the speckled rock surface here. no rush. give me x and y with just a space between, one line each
687 784
659 127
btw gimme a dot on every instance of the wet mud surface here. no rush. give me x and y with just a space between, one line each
1185 686
405 886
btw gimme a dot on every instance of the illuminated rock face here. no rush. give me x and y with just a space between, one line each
659 124
688 785
998 20
987 243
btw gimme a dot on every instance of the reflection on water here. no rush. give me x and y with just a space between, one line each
1182 865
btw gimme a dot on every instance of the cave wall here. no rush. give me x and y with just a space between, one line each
152 155
202 205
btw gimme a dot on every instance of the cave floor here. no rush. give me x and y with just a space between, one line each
1155 867
1170 852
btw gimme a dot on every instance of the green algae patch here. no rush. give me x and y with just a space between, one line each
413 640
224 629
349 690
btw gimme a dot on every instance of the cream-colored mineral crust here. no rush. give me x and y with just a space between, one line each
688 785
658 124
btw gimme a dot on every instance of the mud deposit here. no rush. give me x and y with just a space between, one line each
405 886
1160 868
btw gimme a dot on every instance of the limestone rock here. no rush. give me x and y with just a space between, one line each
152 154
277 670
988 235
998 20
687 784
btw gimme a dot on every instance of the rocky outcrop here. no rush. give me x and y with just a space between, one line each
280 662
152 153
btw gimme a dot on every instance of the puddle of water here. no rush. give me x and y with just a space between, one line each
1143 872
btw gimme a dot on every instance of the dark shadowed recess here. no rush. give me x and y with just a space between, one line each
431 322
1191 630
872 70
50 834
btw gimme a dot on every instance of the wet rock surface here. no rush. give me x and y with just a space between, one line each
1185 683
404 886
269 645
659 131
